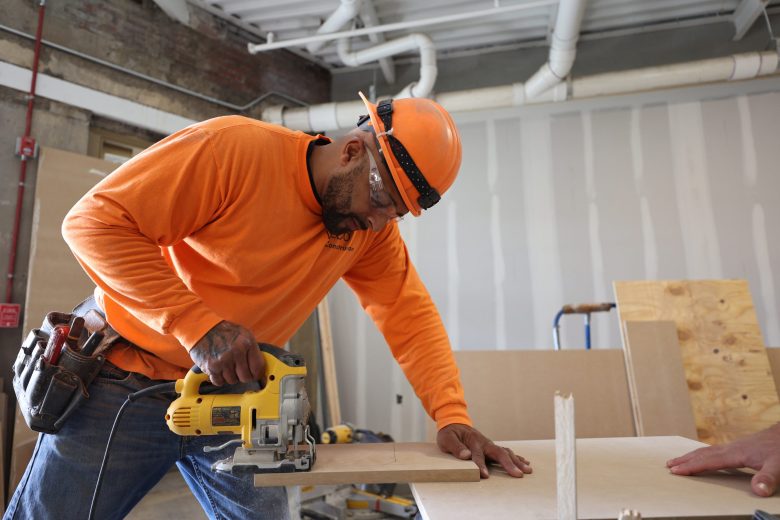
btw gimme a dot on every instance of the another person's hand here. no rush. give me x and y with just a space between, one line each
759 451
464 442
228 353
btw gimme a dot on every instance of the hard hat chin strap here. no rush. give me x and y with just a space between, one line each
389 132
428 195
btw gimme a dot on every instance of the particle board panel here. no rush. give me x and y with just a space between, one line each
656 378
727 370
510 392
612 474
56 281
375 464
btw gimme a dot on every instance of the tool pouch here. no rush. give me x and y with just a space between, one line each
49 393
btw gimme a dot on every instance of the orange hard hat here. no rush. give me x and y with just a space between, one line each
421 147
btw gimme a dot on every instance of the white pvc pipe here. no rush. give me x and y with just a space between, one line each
563 48
343 14
728 68
371 19
261 47
428 68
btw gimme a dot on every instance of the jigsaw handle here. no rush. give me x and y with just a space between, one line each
196 412
276 361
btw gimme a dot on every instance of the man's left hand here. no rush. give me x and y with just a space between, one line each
464 442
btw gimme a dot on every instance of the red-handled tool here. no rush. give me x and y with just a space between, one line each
56 340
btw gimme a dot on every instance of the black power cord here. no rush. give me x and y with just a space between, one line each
156 389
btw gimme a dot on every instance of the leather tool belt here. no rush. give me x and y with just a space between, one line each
57 362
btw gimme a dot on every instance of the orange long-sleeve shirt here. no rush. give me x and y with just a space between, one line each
219 222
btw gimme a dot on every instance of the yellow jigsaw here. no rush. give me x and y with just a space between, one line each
272 421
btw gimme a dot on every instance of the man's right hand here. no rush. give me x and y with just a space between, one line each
759 451
228 353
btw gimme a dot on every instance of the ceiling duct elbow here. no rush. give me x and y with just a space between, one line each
563 48
427 49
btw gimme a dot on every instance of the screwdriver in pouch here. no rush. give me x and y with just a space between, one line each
92 343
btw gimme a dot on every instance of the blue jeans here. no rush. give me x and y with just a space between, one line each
61 476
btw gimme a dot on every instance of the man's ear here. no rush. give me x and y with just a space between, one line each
352 149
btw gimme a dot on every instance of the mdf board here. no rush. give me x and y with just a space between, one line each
56 281
612 474
509 393
656 378
730 383
375 464
774 363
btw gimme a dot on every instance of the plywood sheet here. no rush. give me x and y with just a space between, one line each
612 474
656 378
510 392
375 464
730 383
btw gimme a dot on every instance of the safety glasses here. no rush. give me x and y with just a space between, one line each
379 198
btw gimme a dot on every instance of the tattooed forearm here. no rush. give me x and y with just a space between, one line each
228 353
215 343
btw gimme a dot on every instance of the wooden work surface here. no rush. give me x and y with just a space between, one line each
730 383
376 464
612 474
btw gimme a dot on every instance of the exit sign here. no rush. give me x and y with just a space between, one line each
9 315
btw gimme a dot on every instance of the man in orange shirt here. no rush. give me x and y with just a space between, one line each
229 233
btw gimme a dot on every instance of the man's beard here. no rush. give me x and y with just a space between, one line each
337 202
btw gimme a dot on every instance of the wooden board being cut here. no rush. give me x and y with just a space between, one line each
376 464
612 474
510 392
729 379
656 378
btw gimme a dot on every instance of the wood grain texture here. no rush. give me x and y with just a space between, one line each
612 474
509 392
730 383
656 378
375 464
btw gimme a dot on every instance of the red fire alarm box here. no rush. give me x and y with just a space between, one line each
9 315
